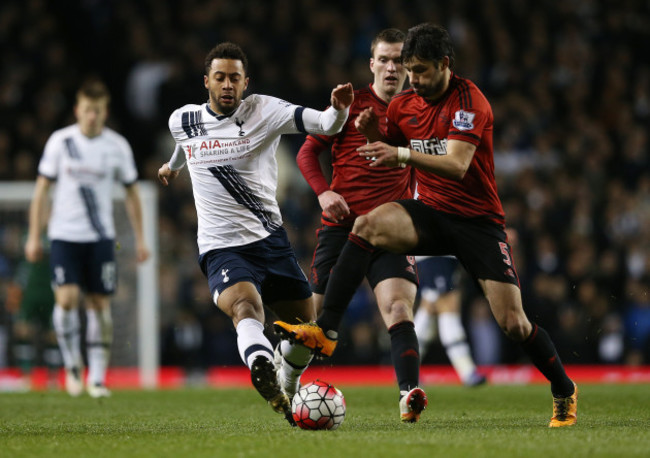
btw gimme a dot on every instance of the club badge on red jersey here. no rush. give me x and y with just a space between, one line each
463 120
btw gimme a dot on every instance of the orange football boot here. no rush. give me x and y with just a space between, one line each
565 410
309 335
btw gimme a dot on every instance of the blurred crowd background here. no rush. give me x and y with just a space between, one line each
569 84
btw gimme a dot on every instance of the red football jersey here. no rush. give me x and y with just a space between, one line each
363 187
462 113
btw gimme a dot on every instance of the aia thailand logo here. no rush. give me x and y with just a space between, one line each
188 150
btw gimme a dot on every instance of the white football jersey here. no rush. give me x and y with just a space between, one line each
85 170
233 166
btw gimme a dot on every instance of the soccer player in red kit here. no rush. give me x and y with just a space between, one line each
356 189
447 124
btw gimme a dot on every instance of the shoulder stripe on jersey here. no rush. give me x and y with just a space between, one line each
464 134
193 124
465 96
297 116
71 147
239 190
49 177
90 200
403 93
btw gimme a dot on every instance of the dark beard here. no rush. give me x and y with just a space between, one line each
226 110
432 93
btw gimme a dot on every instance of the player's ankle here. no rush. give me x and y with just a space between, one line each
332 334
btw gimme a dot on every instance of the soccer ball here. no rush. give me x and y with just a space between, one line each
318 405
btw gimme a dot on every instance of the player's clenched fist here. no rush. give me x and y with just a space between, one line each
367 122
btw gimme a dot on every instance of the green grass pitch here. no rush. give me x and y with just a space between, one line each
504 421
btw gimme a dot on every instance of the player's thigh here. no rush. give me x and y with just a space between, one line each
234 280
241 300
389 227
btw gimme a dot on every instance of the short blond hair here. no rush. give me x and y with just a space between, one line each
387 36
94 89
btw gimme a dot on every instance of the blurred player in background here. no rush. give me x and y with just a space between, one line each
230 144
439 313
84 159
447 124
357 188
31 302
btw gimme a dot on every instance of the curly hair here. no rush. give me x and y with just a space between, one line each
225 50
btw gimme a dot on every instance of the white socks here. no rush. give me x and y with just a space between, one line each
295 359
99 337
67 328
454 339
252 342
425 329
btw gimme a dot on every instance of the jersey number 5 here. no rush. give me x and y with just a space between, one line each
506 253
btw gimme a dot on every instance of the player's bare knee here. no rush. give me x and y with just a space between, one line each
516 329
244 308
398 310
67 305
67 301
67 297
363 227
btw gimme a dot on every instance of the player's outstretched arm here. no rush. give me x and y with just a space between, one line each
134 211
171 169
37 215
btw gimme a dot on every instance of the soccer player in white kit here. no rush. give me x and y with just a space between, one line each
229 145
85 159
